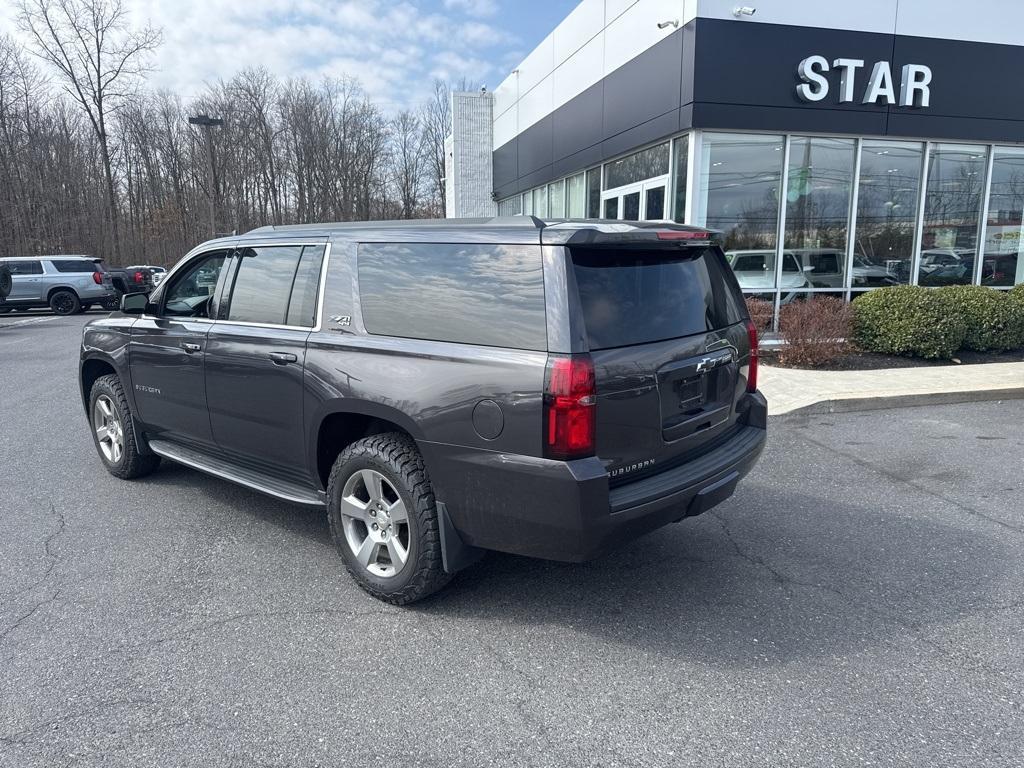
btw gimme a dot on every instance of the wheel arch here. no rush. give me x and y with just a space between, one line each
54 288
340 423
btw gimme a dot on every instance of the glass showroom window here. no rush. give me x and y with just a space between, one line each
681 153
641 165
636 186
511 206
738 193
577 194
556 199
528 203
540 202
594 193
887 202
952 212
817 212
1003 260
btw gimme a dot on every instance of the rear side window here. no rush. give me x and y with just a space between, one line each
24 267
74 265
491 295
277 285
638 297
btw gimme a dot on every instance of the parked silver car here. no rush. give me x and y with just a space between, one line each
65 284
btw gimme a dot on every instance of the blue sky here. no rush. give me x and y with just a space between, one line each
395 49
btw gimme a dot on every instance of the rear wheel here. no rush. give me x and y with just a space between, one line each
113 431
65 303
384 519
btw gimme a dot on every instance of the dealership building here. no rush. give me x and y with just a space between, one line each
837 146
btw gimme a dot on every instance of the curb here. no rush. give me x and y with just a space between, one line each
853 404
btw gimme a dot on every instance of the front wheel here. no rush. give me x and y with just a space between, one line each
384 519
113 431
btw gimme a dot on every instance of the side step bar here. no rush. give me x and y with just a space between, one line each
217 467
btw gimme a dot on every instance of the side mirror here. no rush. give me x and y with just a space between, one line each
134 303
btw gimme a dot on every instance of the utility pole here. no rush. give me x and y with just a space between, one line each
207 123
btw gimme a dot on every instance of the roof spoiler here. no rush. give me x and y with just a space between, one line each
608 234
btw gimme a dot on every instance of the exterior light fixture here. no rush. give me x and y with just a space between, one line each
743 10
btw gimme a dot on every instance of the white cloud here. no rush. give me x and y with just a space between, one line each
394 49
473 7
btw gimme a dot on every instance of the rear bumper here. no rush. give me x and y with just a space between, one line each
566 511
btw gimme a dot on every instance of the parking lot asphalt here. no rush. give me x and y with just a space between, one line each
857 602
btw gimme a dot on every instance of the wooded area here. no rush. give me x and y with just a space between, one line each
91 161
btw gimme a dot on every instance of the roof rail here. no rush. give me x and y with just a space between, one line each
519 222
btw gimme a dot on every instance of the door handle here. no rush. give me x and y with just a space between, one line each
282 358
190 348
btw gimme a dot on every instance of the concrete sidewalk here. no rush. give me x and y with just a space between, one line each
790 389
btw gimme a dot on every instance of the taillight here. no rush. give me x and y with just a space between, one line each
139 277
570 405
752 370
683 234
97 277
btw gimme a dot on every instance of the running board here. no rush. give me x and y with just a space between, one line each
212 465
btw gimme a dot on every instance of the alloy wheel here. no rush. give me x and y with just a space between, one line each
109 430
376 523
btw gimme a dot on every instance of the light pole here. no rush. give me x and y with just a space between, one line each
207 123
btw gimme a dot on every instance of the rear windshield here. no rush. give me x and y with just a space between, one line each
637 297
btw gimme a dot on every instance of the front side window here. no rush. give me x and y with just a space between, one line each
191 293
276 285
490 295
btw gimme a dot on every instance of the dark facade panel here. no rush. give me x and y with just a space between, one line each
505 162
790 119
644 88
577 124
955 129
535 146
586 158
652 130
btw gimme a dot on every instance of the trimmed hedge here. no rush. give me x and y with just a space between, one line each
908 320
995 322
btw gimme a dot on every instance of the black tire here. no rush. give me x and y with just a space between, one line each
395 456
5 310
112 304
132 463
6 283
64 302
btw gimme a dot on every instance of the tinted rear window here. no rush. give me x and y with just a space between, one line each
637 297
74 265
492 295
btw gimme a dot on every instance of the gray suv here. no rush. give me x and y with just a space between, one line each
65 284
442 388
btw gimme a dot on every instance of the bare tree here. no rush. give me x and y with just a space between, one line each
98 57
407 157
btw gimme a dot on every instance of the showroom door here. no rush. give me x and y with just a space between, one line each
644 201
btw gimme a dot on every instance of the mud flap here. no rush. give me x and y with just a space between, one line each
455 553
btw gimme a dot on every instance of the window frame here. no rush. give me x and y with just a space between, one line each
224 297
183 267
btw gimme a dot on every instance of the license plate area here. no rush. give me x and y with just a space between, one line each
695 396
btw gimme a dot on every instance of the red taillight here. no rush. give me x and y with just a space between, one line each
97 277
570 405
683 234
139 277
752 370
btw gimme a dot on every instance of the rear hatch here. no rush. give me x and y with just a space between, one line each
666 333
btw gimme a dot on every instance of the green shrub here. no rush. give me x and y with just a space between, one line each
908 320
1017 293
995 322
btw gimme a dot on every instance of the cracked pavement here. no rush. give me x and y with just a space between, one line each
857 602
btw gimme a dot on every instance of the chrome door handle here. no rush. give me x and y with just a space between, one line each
282 358
190 348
